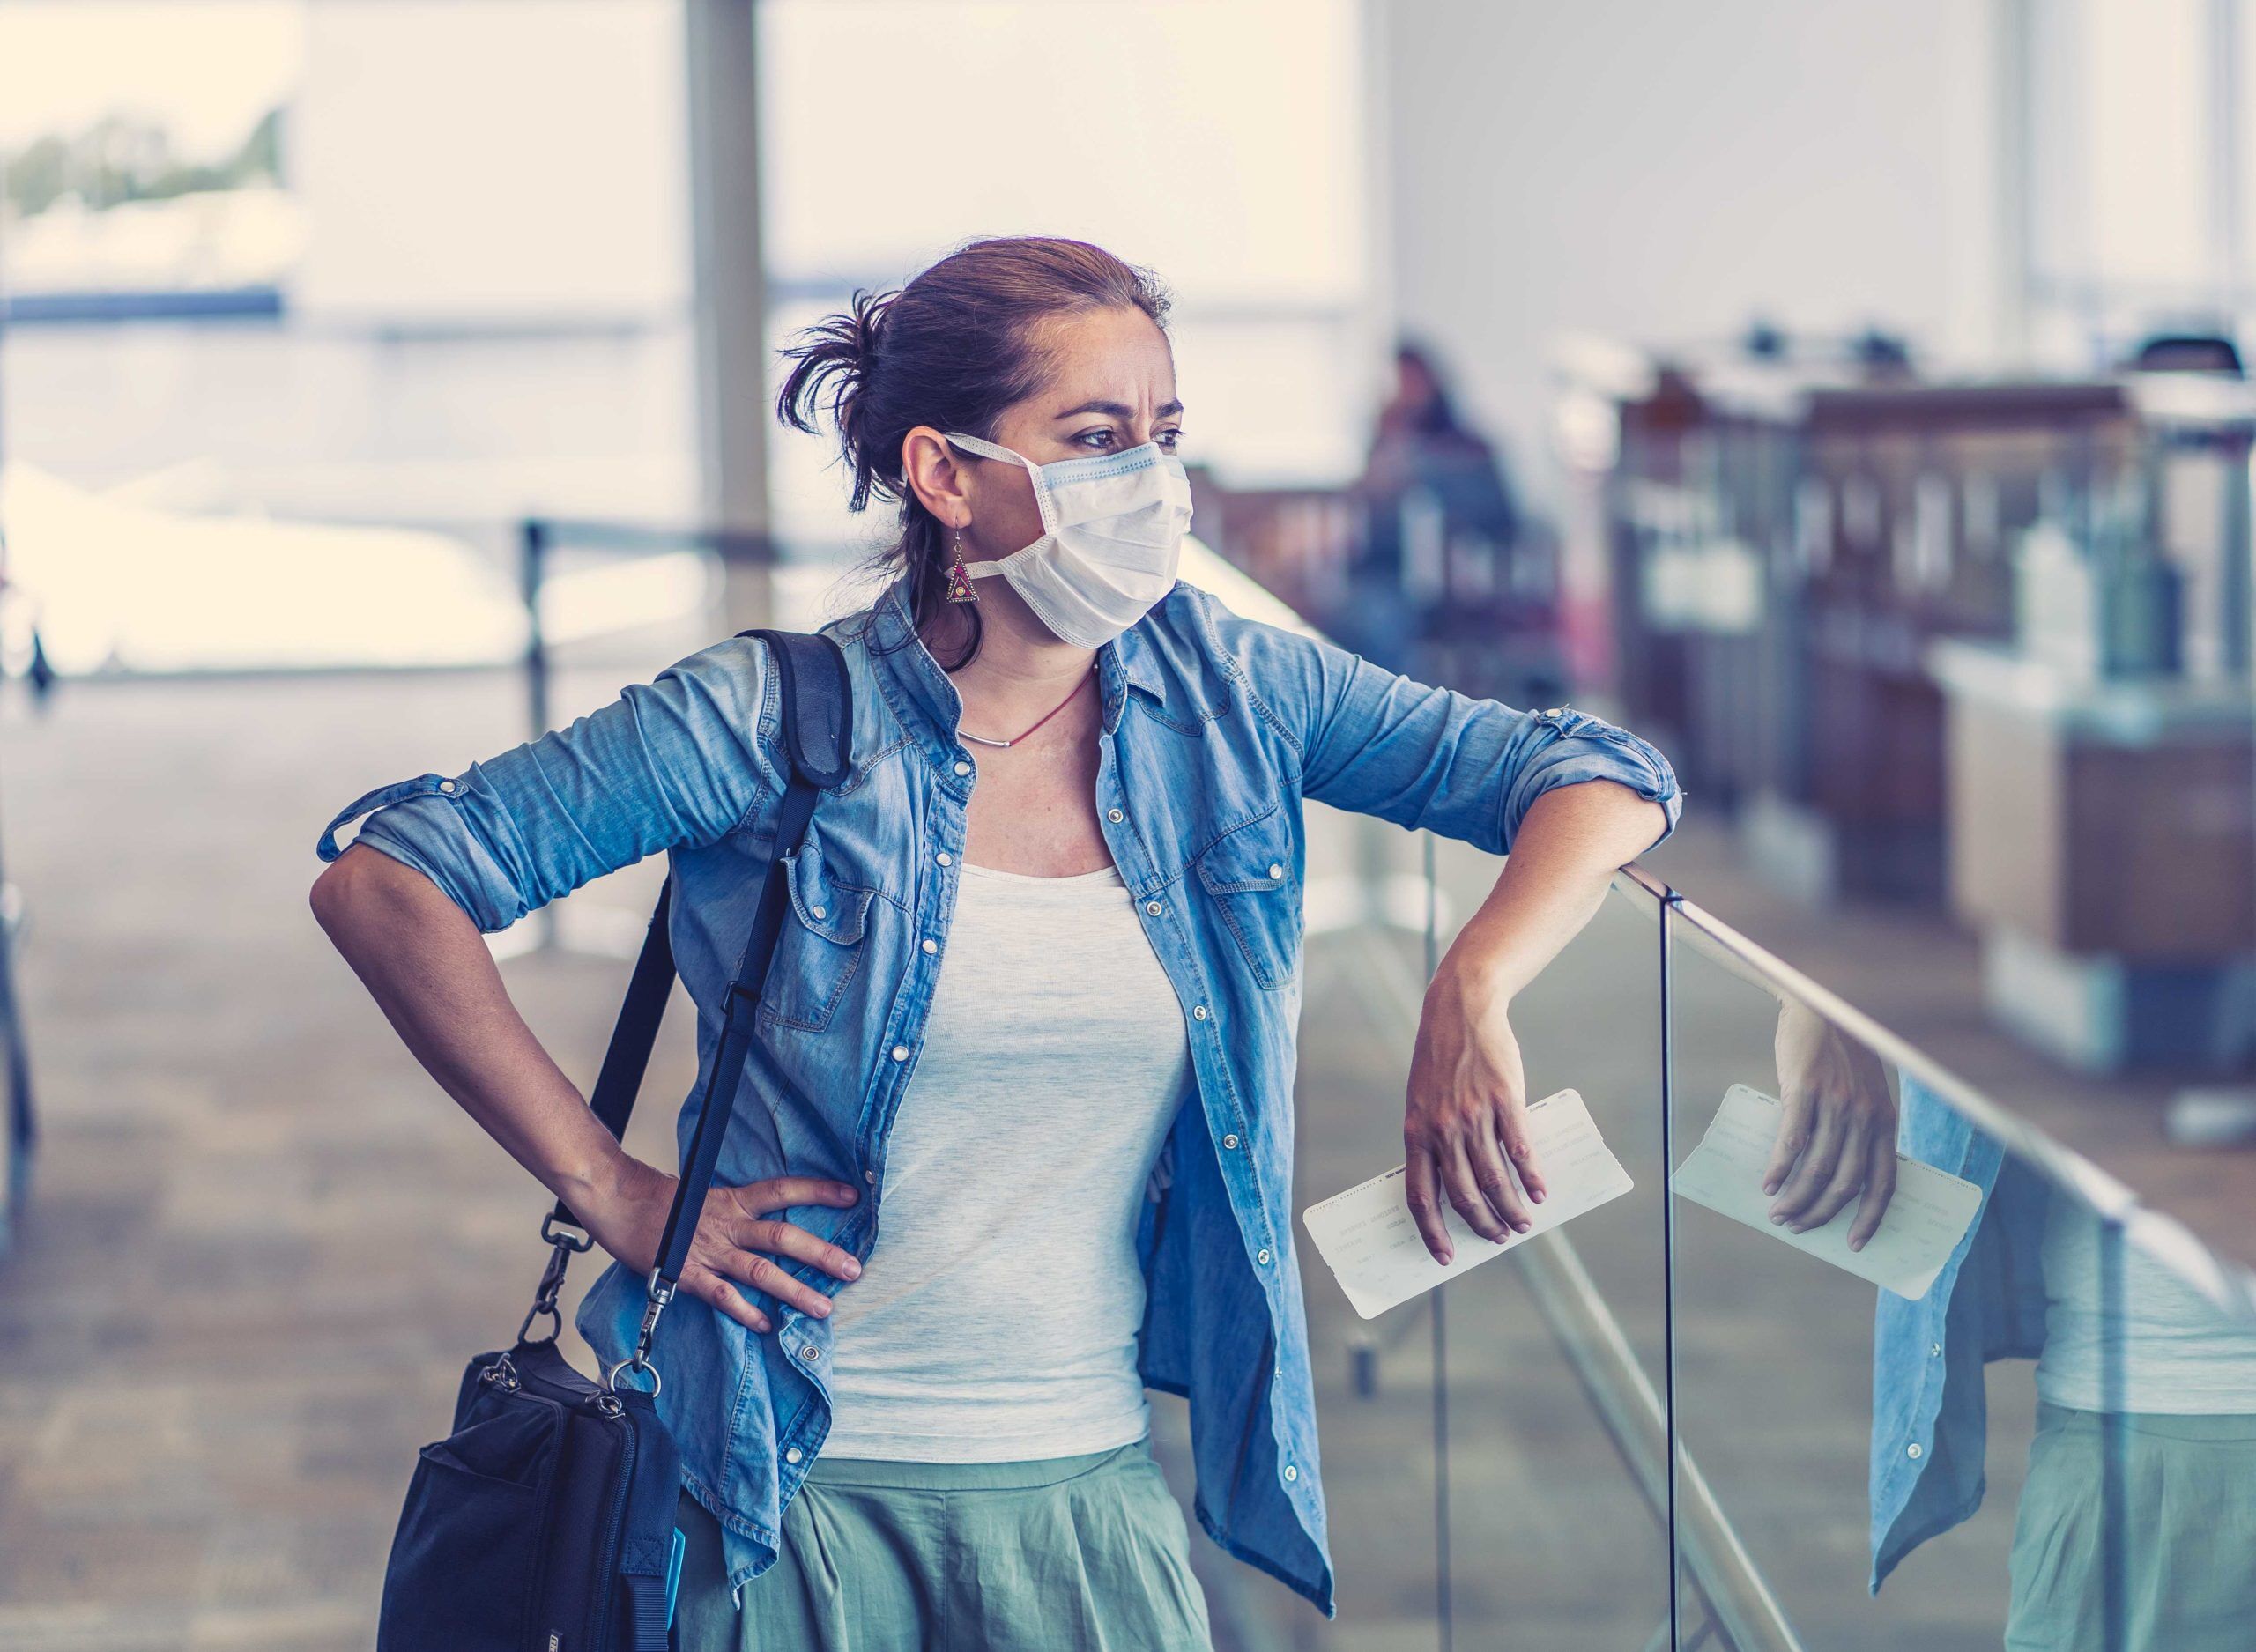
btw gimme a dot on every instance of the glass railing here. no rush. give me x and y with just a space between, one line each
2052 1444
2021 1412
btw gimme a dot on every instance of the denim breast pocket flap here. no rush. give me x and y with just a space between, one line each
1257 856
822 900
1249 872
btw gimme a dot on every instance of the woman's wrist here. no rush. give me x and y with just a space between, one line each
599 1190
1473 977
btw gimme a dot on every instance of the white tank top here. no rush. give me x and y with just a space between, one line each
997 1318
2180 1352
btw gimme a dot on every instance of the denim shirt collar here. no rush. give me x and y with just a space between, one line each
914 678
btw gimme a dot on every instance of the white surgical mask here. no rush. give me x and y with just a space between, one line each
1113 527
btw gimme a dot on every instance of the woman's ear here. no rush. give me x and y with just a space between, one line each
938 474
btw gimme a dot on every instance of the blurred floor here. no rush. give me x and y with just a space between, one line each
262 1243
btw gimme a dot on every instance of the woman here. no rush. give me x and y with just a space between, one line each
1016 1143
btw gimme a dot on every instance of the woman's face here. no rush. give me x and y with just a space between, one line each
1110 386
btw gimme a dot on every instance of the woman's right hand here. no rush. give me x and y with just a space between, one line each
1836 1130
737 1241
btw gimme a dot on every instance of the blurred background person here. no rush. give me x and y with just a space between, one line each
1429 479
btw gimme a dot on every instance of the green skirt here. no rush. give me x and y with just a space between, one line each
1070 1554
2186 1560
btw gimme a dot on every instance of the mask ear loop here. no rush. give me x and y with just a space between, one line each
993 450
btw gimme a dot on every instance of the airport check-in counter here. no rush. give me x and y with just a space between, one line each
1966 646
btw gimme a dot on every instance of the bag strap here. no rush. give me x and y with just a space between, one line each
814 700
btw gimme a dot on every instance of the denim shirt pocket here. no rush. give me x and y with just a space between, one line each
820 946
1248 874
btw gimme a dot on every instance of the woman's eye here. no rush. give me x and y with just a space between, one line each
1096 441
1166 439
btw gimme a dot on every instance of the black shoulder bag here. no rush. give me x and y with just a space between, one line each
545 1522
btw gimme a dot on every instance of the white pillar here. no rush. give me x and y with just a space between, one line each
728 287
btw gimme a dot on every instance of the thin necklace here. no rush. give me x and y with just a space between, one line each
981 740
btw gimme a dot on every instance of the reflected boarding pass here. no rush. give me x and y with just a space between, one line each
1930 1213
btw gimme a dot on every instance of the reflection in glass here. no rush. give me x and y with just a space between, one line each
2137 1527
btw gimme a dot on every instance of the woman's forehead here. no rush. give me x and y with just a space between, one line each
1115 355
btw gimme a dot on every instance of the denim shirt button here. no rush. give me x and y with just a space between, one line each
1935 1351
1230 1143
901 1052
1153 907
1115 816
963 768
1199 1012
1263 1258
929 945
1915 1451
793 1455
944 858
1291 1474
446 785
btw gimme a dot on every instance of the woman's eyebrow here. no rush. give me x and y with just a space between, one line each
1116 409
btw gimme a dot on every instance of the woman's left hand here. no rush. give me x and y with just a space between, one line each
1466 1118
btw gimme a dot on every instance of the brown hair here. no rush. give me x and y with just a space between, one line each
953 349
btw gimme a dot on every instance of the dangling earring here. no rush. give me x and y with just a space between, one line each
959 579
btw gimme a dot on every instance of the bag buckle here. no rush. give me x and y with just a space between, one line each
565 1236
502 1374
661 1293
544 1296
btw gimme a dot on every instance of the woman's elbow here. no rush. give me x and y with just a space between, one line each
348 886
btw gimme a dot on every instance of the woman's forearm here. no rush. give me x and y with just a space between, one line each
426 966
1568 846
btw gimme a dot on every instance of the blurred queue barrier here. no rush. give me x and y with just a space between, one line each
1661 1425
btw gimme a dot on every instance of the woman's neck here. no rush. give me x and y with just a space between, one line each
1021 668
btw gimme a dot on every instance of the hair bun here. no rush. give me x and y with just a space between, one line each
832 364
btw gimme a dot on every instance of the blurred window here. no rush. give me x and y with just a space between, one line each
1221 146
2137 124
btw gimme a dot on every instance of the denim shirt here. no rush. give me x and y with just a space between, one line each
1930 1419
1215 728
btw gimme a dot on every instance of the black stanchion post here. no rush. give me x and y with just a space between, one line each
533 569
1670 902
17 1128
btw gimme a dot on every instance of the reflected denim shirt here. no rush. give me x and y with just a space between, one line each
1215 730
1930 1418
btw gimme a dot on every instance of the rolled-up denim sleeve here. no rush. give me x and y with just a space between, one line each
1425 757
678 761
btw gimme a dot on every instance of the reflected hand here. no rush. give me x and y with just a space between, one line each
735 1242
1465 1116
1837 1137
